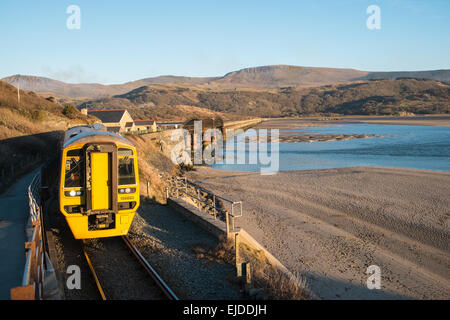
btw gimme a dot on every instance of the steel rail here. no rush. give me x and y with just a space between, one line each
94 274
159 281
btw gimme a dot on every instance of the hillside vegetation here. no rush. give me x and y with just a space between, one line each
374 97
30 131
160 102
154 167
33 114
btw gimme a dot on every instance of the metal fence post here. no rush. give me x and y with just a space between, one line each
228 224
214 206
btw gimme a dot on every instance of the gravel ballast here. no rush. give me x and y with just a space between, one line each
171 243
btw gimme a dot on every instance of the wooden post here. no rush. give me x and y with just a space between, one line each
236 252
18 93
239 270
23 293
248 274
148 187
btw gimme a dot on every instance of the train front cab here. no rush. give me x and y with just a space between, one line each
99 189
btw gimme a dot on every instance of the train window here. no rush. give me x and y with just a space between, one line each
74 153
73 173
126 171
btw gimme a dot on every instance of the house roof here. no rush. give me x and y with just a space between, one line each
108 115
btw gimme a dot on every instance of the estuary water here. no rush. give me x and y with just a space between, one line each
401 146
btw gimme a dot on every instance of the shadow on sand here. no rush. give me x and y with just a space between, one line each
336 289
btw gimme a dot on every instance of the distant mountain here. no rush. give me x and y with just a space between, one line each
47 85
285 76
266 77
173 79
439 75
369 97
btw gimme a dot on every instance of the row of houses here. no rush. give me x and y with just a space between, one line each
120 120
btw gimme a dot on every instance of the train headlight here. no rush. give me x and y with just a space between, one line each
127 190
73 193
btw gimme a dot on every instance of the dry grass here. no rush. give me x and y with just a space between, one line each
279 286
154 167
276 284
223 252
13 124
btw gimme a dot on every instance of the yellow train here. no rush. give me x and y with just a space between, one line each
99 182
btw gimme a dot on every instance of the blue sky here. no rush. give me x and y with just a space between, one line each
122 41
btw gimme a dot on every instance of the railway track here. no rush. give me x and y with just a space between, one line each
106 273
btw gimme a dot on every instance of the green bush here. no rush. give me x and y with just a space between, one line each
70 111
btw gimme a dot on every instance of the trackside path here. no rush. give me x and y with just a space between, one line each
14 214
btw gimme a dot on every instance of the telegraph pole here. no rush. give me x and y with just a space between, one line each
18 92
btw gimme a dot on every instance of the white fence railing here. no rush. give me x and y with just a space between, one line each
37 264
232 210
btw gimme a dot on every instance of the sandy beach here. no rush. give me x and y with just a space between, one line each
330 225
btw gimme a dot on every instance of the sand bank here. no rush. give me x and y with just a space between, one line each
330 225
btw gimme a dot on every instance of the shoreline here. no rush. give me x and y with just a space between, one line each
218 172
293 123
307 137
331 224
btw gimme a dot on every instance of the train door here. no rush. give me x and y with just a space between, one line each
101 178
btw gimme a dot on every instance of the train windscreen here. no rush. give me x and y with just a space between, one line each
73 173
126 171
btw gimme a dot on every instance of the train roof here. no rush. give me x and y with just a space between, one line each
92 133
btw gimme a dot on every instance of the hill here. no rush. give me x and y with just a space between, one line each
30 130
285 76
33 114
438 75
47 85
374 97
266 77
160 102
